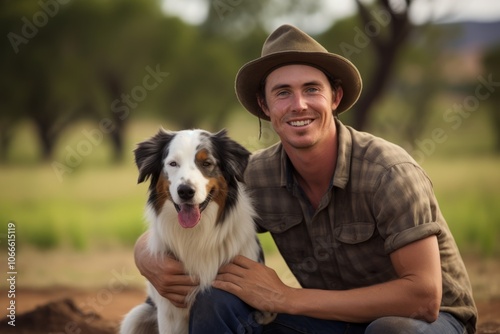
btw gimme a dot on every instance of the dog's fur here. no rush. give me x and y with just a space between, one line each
198 212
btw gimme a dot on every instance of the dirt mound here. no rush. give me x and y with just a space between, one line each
57 318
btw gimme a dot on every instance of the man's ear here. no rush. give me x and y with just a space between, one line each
263 105
337 95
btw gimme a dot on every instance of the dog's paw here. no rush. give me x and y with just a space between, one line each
264 318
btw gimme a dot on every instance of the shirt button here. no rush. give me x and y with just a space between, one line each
322 255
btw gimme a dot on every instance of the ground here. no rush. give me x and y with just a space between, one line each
55 297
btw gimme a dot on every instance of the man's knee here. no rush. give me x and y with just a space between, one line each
219 311
396 325
446 323
214 300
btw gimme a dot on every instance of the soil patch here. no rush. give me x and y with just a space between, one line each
58 317
81 293
79 311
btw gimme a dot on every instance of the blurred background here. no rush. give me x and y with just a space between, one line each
83 81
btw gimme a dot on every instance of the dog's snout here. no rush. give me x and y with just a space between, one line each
185 192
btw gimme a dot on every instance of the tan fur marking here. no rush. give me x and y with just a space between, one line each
220 193
216 184
201 155
163 194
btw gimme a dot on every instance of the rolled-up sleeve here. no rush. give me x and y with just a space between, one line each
405 206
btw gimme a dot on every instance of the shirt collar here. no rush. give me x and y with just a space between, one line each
344 155
342 170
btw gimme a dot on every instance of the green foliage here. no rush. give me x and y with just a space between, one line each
94 60
89 60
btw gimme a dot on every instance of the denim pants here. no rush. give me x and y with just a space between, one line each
219 312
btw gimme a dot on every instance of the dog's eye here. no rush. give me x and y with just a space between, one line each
172 164
207 163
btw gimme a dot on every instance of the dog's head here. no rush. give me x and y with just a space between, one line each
192 169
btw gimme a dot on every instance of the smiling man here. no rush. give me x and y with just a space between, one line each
299 101
354 217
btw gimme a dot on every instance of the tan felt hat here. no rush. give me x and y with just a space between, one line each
289 45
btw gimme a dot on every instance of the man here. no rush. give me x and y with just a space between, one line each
354 217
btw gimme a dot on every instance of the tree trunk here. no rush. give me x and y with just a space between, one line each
386 49
46 137
5 141
115 88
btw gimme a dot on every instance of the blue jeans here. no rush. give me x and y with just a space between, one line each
217 311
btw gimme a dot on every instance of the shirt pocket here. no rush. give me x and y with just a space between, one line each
354 233
361 255
280 223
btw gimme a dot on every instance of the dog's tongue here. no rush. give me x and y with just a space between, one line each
189 215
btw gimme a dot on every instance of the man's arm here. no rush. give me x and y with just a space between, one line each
166 274
416 293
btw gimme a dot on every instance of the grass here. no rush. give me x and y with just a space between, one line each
468 193
100 203
95 206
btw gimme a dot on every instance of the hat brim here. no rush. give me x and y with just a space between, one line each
251 74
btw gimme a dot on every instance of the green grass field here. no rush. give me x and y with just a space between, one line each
100 204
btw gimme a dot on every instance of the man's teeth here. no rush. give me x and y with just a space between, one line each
300 123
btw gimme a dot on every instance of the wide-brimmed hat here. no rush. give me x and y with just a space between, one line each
289 45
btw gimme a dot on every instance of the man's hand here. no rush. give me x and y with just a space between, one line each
166 274
254 283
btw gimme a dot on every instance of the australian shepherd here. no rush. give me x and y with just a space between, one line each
198 212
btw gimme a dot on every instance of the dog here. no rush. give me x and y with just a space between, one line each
198 211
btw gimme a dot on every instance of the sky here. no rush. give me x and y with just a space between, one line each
457 10
194 12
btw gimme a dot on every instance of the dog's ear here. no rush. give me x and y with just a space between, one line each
149 155
234 155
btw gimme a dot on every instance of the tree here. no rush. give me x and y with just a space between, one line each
199 89
387 42
201 85
417 79
58 68
33 72
68 69
381 26
238 19
491 63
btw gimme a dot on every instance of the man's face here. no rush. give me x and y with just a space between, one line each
299 100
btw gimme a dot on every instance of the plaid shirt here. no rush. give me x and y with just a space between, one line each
379 200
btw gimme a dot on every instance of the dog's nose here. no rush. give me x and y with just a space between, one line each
185 191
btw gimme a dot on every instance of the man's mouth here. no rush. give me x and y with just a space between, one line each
189 215
300 123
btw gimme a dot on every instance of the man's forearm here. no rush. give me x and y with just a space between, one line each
416 293
397 298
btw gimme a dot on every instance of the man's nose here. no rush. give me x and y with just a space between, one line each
299 103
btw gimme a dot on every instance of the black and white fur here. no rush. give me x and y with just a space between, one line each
198 212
